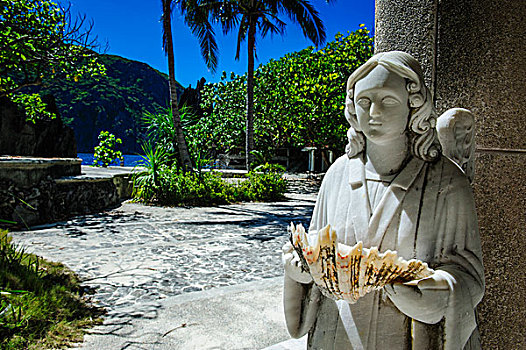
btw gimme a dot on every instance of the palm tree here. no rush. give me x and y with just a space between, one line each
249 16
184 156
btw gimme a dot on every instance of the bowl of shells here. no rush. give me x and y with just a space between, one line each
342 272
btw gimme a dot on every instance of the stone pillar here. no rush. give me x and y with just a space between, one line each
408 26
473 53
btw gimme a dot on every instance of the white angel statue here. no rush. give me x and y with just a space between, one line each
394 190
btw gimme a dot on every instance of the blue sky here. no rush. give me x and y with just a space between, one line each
132 30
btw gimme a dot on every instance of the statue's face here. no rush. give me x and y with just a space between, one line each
381 101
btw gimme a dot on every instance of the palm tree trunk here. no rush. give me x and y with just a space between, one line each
184 156
250 95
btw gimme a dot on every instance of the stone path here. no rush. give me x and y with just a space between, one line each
135 256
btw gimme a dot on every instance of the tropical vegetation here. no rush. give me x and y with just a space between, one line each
34 108
249 16
41 304
159 127
41 41
160 181
162 184
300 101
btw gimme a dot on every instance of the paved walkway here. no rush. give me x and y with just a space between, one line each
181 278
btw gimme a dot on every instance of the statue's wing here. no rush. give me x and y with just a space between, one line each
456 132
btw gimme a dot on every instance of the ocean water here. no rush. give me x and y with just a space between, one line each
129 159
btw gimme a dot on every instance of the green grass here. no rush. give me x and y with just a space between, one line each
41 304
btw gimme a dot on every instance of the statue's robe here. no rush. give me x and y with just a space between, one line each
426 212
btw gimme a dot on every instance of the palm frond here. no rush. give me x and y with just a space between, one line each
266 25
206 36
202 15
227 15
197 18
307 17
188 117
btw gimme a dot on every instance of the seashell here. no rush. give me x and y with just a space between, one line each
342 272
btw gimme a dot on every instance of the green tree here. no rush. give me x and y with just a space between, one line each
220 130
184 156
301 99
40 41
249 16
302 95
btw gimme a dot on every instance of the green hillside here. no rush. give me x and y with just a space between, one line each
115 102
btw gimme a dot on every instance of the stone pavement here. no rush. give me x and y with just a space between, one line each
181 278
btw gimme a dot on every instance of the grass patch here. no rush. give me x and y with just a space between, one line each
41 304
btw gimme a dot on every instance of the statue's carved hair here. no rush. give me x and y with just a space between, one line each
422 116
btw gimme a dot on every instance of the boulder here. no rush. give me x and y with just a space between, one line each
44 138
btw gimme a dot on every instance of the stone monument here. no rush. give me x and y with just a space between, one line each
393 190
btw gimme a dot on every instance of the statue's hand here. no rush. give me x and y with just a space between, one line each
293 266
424 300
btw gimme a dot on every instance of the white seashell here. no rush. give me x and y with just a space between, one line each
348 273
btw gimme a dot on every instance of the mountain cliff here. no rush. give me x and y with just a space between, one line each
115 102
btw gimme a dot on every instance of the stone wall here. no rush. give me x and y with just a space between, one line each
44 190
473 56
50 201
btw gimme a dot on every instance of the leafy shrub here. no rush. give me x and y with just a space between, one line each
160 129
174 187
155 158
105 152
266 186
270 168
207 188
177 188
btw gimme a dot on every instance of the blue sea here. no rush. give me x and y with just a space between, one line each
129 159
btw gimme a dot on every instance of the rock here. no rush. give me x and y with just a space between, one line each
45 138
